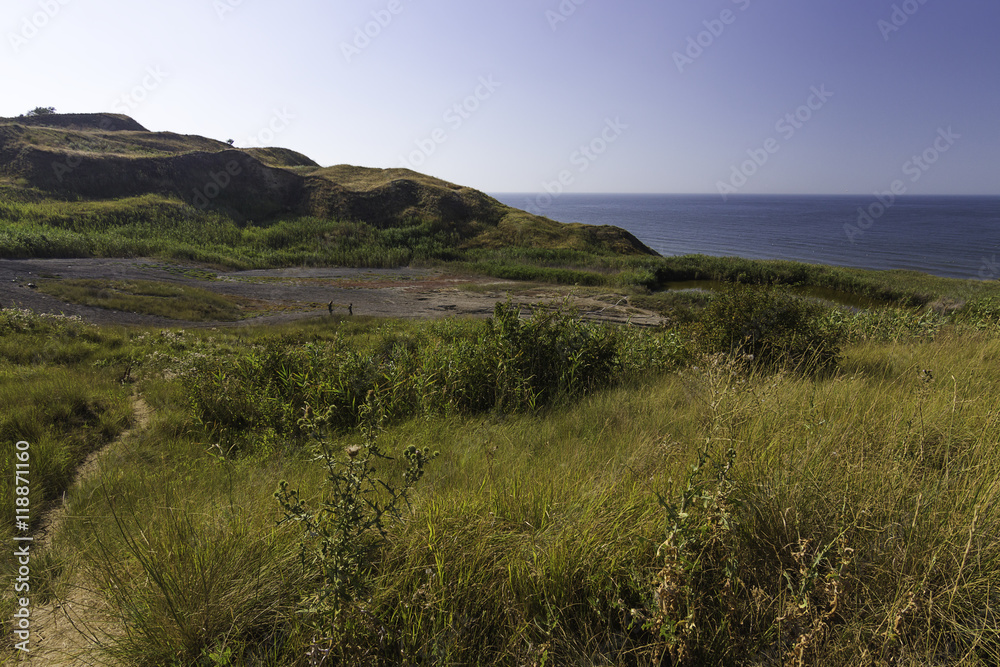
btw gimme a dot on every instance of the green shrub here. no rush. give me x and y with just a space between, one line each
548 354
982 313
769 327
892 324
506 363
344 533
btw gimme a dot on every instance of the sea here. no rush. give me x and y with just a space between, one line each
951 236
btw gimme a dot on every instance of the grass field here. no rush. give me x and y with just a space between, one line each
557 493
149 297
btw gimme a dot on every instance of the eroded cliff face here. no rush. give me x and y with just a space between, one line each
400 201
229 180
107 157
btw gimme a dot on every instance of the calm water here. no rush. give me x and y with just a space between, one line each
957 237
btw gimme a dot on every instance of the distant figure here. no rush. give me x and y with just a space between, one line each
329 307
350 309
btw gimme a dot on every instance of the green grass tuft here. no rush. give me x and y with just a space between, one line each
148 297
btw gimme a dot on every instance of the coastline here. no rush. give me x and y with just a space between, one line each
948 236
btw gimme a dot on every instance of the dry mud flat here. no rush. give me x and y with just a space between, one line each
295 293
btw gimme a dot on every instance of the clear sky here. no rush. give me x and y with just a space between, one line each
761 96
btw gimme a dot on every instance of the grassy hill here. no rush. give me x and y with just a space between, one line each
106 167
84 185
79 121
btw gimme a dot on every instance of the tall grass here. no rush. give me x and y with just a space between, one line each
194 575
55 399
156 226
844 527
504 364
905 288
711 513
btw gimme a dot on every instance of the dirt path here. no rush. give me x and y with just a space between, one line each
65 631
296 293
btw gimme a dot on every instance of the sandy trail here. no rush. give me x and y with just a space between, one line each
66 631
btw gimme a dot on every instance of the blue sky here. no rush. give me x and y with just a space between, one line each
778 96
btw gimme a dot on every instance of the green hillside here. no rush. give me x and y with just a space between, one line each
101 185
108 171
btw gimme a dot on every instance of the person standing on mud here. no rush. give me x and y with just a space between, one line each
350 309
329 307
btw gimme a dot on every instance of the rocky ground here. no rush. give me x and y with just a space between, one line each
294 293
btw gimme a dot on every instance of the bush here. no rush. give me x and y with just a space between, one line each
506 363
549 354
343 534
982 313
886 324
769 327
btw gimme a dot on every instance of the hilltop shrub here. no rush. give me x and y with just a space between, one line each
770 327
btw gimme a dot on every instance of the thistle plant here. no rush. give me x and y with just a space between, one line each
350 522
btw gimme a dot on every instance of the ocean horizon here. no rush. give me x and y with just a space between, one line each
955 236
